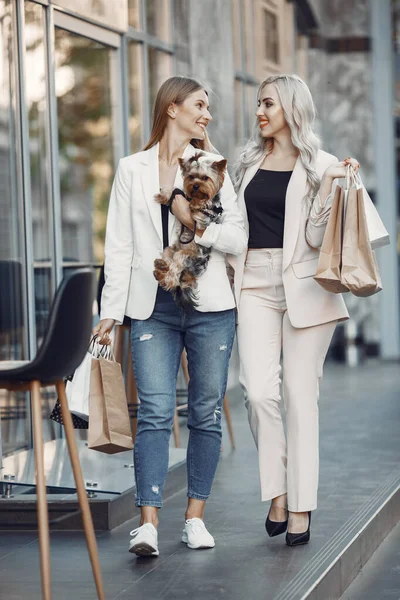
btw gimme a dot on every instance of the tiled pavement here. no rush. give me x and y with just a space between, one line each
360 444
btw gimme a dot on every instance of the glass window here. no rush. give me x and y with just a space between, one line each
134 14
11 233
248 34
113 14
251 107
160 68
135 62
86 160
158 19
237 49
12 266
35 93
271 36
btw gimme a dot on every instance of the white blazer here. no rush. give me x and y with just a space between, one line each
308 304
134 241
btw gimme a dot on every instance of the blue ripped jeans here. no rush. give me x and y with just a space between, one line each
157 345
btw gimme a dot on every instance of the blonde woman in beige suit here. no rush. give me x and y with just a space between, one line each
285 183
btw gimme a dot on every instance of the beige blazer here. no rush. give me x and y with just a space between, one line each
308 304
134 241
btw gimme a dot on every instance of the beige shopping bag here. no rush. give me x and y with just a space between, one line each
109 423
360 272
330 257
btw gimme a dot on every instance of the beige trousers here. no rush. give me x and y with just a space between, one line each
264 331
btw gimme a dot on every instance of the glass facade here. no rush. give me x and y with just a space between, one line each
65 120
13 309
78 80
112 14
86 161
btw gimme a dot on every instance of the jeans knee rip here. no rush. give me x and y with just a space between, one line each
217 413
145 337
223 347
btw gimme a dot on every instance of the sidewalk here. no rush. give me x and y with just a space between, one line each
360 444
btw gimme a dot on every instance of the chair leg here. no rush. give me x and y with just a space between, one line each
42 510
185 367
228 417
80 488
175 430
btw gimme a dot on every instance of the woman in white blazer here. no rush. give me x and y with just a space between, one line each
285 182
138 228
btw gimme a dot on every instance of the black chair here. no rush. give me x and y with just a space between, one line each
61 352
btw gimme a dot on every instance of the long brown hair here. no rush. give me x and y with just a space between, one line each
176 90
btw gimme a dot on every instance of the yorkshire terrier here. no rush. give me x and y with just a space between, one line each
182 263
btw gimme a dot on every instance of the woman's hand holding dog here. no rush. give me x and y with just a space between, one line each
181 210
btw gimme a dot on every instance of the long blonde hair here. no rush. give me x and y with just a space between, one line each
299 112
174 90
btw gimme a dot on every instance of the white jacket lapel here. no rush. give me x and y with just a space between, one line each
149 175
295 193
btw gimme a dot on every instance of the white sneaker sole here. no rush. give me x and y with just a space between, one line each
196 547
143 549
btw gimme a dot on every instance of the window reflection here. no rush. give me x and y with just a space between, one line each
158 19
12 280
35 85
160 68
135 53
86 160
111 13
134 14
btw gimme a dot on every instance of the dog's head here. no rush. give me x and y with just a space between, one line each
202 176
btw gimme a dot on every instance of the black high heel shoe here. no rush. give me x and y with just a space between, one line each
275 527
298 539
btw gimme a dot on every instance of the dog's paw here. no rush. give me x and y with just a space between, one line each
201 219
162 198
161 265
187 280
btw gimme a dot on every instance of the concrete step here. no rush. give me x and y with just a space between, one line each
328 574
380 578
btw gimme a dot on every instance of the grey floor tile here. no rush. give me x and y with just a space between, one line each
360 444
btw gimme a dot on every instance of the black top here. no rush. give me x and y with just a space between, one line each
265 202
163 295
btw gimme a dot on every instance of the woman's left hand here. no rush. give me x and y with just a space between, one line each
180 209
339 169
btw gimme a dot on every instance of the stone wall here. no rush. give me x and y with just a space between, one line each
340 80
205 51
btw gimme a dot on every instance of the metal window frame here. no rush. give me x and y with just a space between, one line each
147 40
25 183
243 76
84 28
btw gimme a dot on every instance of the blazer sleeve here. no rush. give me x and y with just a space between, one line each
318 216
229 236
118 250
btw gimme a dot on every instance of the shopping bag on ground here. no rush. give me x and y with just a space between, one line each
330 257
360 272
109 423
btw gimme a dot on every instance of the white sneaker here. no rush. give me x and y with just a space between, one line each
195 535
144 541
